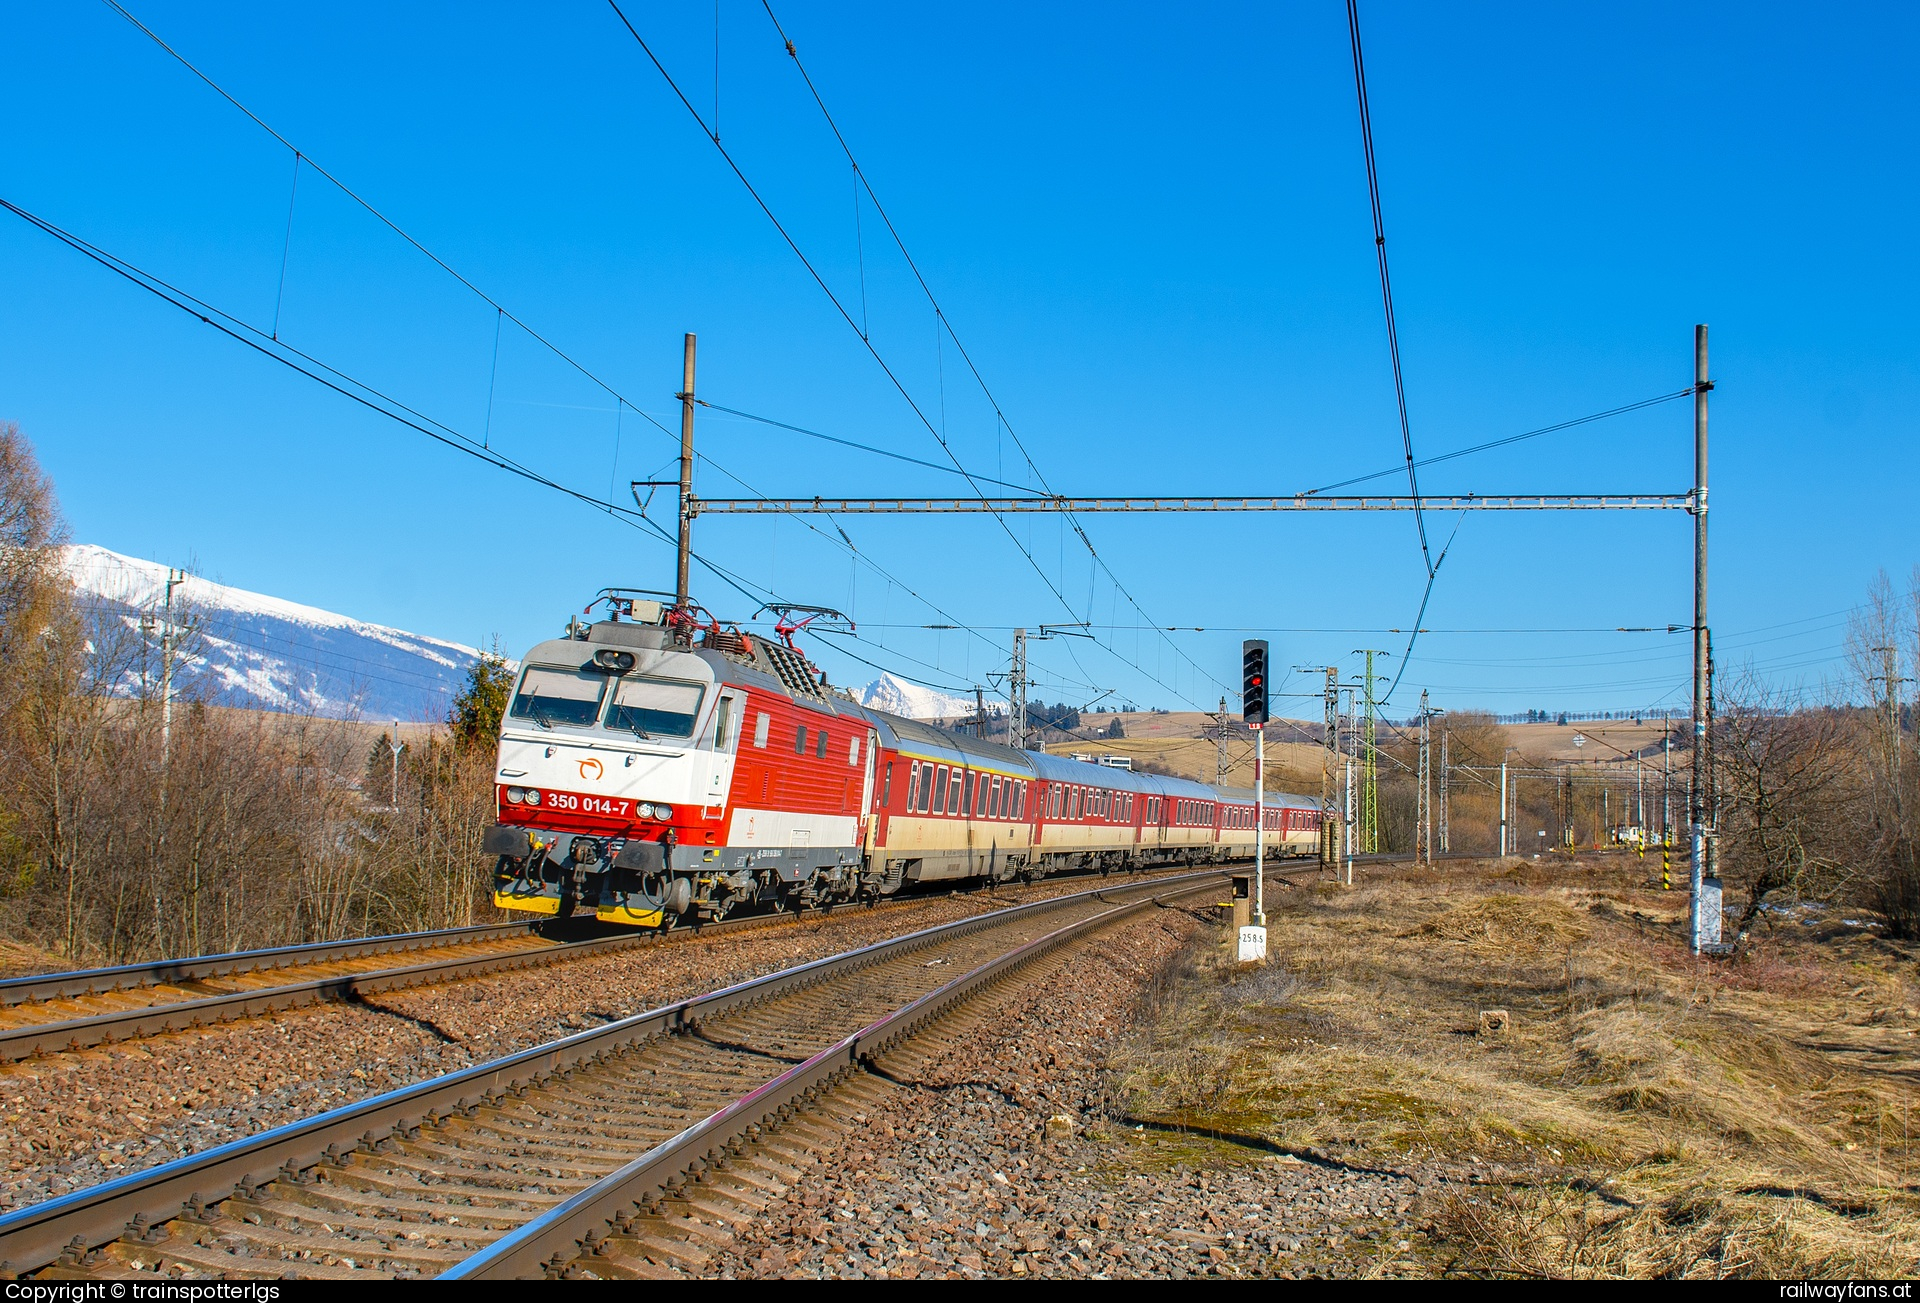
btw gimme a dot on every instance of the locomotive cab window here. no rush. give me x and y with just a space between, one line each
661 707
551 695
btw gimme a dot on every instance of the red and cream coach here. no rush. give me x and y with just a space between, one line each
655 768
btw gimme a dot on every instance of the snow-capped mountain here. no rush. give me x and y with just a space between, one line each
248 649
898 697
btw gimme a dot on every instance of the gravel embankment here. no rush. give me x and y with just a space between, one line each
74 1120
999 1157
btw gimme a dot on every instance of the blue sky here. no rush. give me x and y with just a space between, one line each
1148 227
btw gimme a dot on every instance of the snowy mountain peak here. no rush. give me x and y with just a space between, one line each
251 650
896 696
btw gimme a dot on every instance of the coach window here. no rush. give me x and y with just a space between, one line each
913 785
940 791
966 795
799 739
926 788
886 786
820 748
953 792
1020 800
760 729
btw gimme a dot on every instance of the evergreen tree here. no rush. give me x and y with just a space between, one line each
477 708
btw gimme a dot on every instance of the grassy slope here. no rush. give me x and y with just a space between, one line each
1647 1114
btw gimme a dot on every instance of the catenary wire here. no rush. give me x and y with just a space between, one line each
500 310
1386 281
873 350
946 327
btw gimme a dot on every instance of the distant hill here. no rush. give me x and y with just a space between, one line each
266 653
896 696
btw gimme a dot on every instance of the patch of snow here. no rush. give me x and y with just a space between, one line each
263 652
896 696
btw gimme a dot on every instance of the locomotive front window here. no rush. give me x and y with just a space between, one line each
551 695
655 707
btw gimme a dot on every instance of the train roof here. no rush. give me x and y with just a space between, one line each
754 662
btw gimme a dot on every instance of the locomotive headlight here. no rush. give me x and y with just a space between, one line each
516 794
615 662
644 810
533 797
663 812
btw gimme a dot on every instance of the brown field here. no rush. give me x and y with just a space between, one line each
1646 1114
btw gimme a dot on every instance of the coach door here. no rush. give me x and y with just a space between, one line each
870 821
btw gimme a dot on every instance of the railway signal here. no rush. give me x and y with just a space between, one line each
1253 682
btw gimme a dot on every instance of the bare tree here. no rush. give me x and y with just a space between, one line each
1791 794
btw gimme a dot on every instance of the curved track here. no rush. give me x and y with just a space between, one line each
61 1012
492 1171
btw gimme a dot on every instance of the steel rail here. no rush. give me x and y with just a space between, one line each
95 981
71 1034
33 1237
524 1252
182 1015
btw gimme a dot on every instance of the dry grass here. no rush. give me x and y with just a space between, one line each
1647 1114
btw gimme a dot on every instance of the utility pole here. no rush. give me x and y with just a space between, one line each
1445 844
980 712
1329 755
1666 781
1017 693
1890 708
1220 761
686 474
393 744
169 646
1704 905
1423 797
1369 832
1348 840
1505 843
1260 824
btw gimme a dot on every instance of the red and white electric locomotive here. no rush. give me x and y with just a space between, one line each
656 767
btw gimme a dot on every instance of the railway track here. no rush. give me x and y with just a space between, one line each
70 1011
61 1012
613 1149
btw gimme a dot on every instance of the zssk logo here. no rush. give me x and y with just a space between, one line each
591 768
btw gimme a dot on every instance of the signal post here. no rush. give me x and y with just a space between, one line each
1253 712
